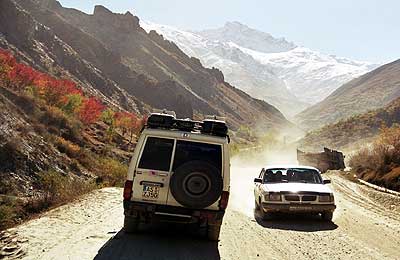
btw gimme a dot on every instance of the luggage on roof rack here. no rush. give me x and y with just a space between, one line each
160 120
214 127
186 124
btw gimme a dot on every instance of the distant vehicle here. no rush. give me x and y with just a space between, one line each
179 173
326 160
293 189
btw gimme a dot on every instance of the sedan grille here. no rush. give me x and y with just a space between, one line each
292 198
300 197
309 198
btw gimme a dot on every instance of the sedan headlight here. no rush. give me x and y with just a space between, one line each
326 198
273 197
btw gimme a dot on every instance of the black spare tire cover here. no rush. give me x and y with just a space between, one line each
196 184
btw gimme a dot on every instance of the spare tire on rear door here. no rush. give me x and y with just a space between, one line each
196 184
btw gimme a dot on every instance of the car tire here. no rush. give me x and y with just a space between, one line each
213 232
196 184
131 225
327 216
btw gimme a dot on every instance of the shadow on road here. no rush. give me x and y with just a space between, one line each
296 222
159 242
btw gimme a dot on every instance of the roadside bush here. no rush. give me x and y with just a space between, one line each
58 123
111 172
59 189
379 162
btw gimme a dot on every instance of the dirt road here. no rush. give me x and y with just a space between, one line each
366 226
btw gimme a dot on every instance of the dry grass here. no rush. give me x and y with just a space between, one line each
380 162
67 147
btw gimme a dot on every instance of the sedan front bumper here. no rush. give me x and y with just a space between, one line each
297 207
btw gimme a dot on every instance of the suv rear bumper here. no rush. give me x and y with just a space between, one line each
317 208
145 212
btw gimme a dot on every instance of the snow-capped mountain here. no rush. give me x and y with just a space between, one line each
247 37
283 74
309 75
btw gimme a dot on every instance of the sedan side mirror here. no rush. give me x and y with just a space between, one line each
327 181
257 180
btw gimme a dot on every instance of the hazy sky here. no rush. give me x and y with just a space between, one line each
359 29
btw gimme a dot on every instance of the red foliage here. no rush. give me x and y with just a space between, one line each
126 121
91 110
57 92
21 76
53 90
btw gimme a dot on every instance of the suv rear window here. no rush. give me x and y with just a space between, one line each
186 151
157 154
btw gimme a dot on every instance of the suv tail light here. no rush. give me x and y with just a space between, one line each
128 190
223 203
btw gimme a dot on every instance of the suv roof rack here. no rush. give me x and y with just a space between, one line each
212 125
164 111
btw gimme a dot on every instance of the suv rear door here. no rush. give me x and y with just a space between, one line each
189 151
153 170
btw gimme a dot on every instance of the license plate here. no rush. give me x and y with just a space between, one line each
299 208
151 192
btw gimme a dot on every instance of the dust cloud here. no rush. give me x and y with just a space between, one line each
247 165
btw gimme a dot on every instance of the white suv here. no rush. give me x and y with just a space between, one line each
293 189
179 172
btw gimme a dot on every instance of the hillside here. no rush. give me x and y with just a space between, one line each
288 76
354 131
56 141
114 57
370 91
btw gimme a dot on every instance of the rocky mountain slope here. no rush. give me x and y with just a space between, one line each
67 82
370 91
115 57
287 76
354 131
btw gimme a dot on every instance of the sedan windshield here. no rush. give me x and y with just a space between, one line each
281 175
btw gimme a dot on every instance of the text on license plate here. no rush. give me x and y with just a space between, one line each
151 192
299 208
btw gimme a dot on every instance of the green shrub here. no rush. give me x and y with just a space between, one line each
62 125
111 172
58 188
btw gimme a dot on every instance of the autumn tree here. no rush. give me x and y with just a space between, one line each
127 122
53 90
72 103
91 110
108 117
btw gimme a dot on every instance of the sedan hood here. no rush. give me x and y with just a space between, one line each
296 187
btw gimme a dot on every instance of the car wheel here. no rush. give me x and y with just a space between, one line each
327 216
256 206
131 225
213 232
196 184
